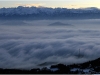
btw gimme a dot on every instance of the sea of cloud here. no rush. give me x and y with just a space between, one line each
28 46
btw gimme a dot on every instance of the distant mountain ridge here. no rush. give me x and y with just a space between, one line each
59 24
49 13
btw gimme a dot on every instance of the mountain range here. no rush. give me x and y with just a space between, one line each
48 13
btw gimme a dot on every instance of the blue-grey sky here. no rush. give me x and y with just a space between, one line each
51 3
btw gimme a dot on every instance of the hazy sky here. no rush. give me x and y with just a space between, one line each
51 3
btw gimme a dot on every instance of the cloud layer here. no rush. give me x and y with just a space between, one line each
28 46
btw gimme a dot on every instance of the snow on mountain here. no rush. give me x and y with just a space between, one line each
21 12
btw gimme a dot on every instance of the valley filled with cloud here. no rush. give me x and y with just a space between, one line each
30 43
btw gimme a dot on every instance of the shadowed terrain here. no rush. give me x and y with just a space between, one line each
90 67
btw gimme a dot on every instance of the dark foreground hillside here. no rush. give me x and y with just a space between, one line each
91 67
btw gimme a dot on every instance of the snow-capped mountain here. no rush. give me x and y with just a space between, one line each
41 12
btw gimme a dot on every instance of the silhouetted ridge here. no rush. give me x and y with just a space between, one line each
90 67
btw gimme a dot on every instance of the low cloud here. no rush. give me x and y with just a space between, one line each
29 46
30 5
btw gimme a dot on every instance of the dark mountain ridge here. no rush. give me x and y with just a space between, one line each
90 67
